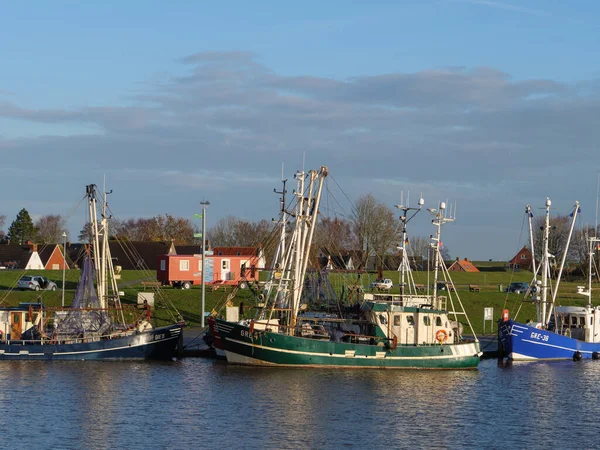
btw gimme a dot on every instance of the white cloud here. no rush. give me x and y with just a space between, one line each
223 129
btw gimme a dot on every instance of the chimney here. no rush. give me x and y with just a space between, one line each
466 259
457 258
34 247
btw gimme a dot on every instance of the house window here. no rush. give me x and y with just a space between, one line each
523 256
163 264
200 265
184 264
225 264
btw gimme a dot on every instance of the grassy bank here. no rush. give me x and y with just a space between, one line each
188 302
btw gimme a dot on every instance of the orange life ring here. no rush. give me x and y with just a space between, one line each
441 336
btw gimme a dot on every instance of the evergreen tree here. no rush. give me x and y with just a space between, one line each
22 228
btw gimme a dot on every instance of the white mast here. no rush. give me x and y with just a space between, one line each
404 219
94 240
562 263
541 312
102 259
306 221
439 220
529 219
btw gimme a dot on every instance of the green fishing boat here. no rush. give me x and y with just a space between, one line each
384 331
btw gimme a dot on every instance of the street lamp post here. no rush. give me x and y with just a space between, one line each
204 205
64 235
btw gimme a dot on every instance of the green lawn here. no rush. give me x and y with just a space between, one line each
188 302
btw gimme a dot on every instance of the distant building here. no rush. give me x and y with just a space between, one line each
463 265
341 260
30 256
522 260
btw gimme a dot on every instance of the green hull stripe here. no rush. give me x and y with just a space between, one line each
336 355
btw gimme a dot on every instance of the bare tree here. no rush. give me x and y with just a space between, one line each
375 228
161 228
386 232
50 229
418 246
223 233
557 242
335 235
232 232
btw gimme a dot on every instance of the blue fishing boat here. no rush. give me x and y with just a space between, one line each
560 332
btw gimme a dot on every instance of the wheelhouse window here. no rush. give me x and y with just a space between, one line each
438 321
426 321
397 320
410 320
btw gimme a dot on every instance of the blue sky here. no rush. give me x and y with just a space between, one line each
491 104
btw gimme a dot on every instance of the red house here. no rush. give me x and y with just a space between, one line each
52 257
179 270
230 264
462 265
224 265
522 260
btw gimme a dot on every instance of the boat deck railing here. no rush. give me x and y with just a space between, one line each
410 300
54 340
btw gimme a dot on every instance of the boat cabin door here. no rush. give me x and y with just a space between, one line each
409 329
16 325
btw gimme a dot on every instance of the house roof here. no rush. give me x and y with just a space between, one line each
236 251
465 265
15 254
189 249
130 255
45 251
523 250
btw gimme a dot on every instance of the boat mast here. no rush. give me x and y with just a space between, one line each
541 312
530 220
438 220
277 265
592 245
95 242
101 250
306 220
576 211
404 219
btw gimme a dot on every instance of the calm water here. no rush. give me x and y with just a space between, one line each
199 403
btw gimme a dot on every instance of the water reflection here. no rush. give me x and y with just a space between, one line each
204 404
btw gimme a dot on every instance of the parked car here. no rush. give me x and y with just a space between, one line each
36 283
443 286
517 287
384 284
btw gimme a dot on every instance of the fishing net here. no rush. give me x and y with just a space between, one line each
85 315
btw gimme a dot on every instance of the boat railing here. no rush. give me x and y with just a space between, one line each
415 300
54 340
